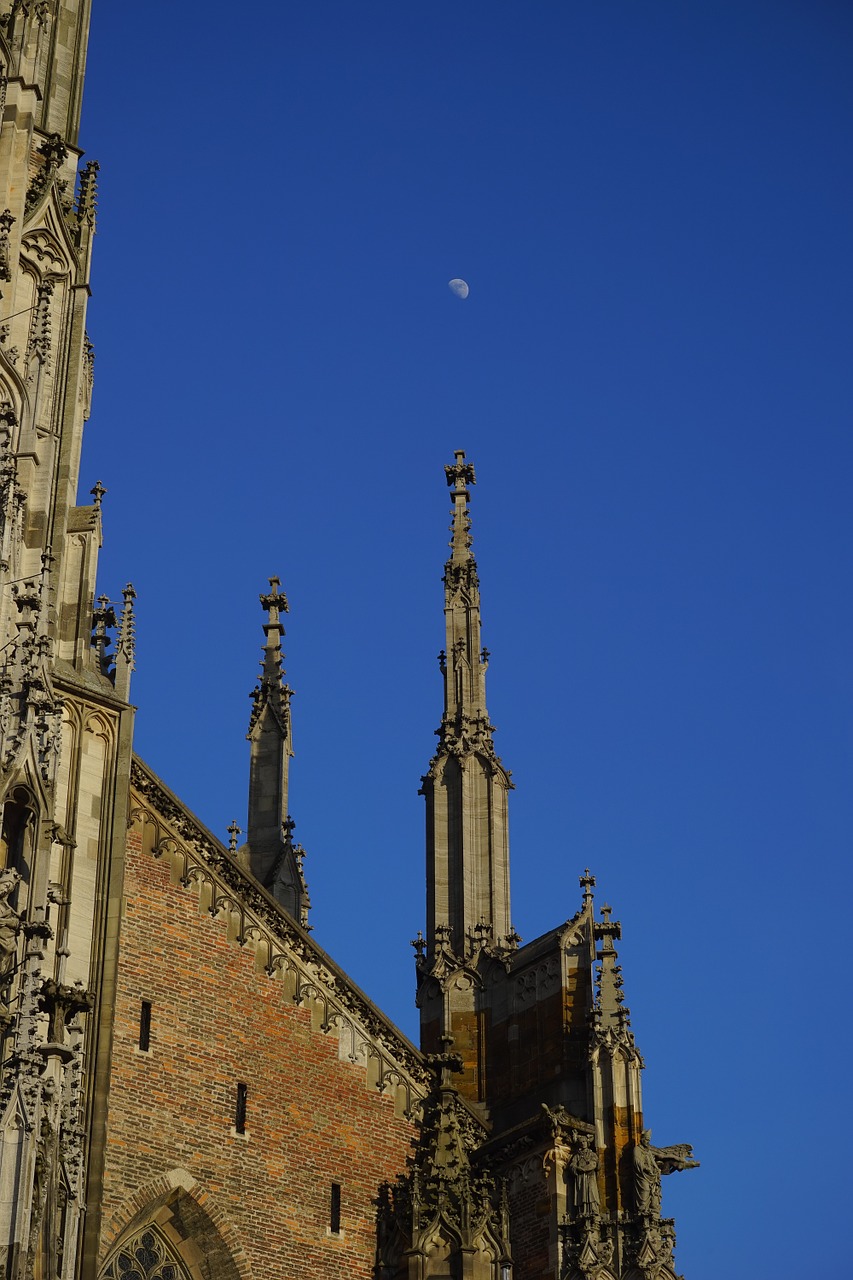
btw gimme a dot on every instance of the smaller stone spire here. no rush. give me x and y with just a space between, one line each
587 883
611 1014
459 475
125 655
273 858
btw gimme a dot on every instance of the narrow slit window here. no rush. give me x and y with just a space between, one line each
240 1109
145 1026
335 1210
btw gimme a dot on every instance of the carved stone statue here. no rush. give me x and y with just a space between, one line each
10 921
649 1163
583 1168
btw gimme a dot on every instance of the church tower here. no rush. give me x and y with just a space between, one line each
538 1036
65 719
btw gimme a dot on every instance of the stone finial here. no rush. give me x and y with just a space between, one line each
271 691
126 643
459 474
587 883
275 601
233 832
98 493
103 618
88 191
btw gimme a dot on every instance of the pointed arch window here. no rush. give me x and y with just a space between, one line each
146 1257
18 812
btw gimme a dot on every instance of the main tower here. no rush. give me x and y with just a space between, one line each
65 719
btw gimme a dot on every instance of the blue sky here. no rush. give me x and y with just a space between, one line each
652 206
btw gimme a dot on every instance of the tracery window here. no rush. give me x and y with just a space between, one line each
146 1257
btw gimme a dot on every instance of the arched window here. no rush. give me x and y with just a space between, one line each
146 1257
17 816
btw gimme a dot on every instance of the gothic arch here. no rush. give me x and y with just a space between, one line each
172 1229
99 725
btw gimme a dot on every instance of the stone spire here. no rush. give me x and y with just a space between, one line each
466 790
466 786
272 856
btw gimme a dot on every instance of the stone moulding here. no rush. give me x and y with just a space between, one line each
200 861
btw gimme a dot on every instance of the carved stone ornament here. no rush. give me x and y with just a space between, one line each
583 1176
649 1163
10 922
53 152
448 1199
6 220
587 1249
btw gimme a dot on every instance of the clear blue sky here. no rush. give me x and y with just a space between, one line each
652 206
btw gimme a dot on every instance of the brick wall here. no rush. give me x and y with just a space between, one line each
311 1118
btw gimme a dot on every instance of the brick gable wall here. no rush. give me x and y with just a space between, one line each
313 1116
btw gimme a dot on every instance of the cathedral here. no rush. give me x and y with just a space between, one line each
192 1089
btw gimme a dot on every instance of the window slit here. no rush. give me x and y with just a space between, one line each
145 1026
240 1109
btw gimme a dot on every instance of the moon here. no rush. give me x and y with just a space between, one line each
459 287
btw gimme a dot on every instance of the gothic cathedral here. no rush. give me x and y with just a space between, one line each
191 1088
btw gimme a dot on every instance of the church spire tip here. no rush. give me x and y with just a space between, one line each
459 475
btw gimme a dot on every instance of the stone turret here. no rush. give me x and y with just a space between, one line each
269 851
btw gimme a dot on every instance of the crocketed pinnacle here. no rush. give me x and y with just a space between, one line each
271 691
464 662
273 858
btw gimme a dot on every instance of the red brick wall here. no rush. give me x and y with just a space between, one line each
312 1119
530 1213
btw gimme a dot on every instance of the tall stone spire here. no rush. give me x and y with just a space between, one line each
466 786
467 837
272 856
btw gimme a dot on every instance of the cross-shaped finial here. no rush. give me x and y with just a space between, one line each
275 601
98 493
460 474
587 883
233 832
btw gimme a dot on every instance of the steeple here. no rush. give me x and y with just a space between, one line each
466 786
467 838
272 856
